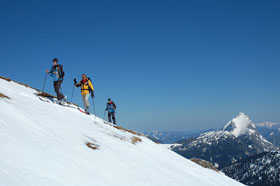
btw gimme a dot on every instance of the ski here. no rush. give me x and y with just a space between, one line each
45 100
65 104
55 101
82 111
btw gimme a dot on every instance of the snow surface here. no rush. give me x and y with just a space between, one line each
240 124
43 144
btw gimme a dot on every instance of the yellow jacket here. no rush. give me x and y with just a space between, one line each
85 87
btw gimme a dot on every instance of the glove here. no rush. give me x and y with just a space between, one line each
75 81
92 94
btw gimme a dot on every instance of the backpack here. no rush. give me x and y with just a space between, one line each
61 71
111 107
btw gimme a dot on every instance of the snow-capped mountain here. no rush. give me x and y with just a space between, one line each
45 144
237 140
259 170
268 124
271 132
240 125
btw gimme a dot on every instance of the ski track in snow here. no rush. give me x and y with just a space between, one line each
44 144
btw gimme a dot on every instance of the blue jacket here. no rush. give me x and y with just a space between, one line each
56 71
111 107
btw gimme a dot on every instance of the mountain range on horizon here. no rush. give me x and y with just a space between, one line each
268 124
239 140
268 129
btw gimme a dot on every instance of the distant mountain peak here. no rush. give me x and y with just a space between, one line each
267 124
239 125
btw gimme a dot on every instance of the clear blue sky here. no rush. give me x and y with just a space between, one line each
177 65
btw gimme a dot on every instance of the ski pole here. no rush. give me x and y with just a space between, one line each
72 92
104 115
44 82
93 108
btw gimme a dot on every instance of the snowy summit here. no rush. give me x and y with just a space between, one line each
239 125
45 144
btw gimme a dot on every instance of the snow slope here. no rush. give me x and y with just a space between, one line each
43 144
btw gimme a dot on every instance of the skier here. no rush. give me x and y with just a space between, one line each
58 74
111 107
86 88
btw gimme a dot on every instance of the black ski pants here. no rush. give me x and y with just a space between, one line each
112 114
57 85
